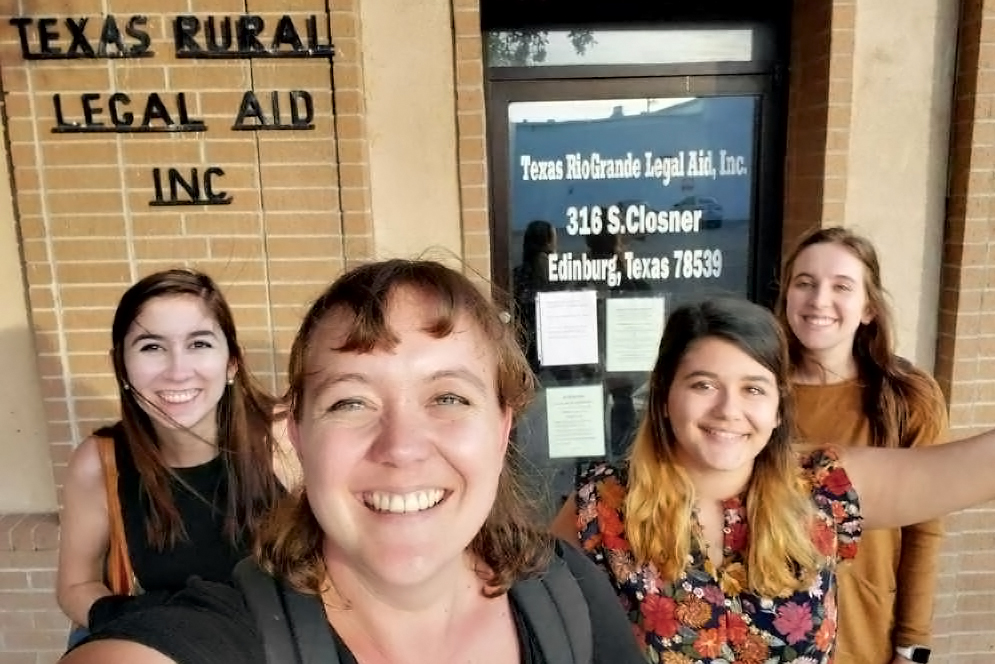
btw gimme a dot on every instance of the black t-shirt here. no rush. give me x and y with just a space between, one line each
209 623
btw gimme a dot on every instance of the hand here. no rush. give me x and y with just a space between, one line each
111 607
898 659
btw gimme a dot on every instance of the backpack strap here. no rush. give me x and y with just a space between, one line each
293 625
120 575
555 608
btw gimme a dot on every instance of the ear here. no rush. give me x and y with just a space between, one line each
506 421
868 316
294 434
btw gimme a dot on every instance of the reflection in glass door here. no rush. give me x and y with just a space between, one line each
616 211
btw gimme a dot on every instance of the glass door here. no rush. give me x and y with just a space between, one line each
613 202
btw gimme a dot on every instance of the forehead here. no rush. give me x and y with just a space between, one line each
173 314
829 259
410 317
720 357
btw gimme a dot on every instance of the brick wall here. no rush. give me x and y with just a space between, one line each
816 172
966 612
819 88
472 138
299 214
299 210
32 628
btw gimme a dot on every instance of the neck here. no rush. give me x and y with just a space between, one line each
181 448
392 616
713 486
825 368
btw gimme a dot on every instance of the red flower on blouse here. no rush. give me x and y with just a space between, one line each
837 481
659 615
794 621
708 643
736 628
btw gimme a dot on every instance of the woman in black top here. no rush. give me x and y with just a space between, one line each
413 525
195 452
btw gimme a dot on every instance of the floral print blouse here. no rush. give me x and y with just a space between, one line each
707 616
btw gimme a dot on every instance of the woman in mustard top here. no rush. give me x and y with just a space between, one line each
851 388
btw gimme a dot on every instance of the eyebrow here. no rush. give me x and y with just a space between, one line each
148 336
835 276
460 374
329 380
758 378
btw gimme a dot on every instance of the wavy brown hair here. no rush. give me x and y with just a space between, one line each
244 418
513 542
897 397
781 557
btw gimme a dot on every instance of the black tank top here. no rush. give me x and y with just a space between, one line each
207 551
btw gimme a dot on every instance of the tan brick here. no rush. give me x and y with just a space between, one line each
170 248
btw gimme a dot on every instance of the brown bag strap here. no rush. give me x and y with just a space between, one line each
120 576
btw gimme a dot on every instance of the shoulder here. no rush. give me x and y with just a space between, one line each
611 632
602 484
924 405
822 469
85 468
836 501
205 623
600 475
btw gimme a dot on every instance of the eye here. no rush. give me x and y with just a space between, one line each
702 386
149 347
347 405
756 390
844 288
200 343
450 399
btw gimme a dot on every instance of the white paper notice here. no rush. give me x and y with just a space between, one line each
567 327
575 421
633 327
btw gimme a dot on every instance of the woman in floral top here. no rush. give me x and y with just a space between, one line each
721 543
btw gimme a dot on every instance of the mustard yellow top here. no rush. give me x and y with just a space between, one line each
886 592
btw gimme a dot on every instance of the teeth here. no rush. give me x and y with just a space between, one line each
819 320
178 396
397 503
724 434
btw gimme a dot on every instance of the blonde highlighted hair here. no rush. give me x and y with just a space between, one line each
781 557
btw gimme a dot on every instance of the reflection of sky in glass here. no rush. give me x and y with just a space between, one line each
587 109
617 47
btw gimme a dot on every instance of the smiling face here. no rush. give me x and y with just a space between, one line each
721 408
401 448
177 364
827 302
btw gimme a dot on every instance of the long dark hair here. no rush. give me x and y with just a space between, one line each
894 391
245 418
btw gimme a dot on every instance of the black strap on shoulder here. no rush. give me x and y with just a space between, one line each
556 610
292 624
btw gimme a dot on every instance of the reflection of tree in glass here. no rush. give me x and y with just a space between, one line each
522 48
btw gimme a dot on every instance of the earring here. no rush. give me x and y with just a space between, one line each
231 381
125 386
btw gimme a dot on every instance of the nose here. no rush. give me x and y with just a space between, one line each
822 295
727 405
179 366
403 438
